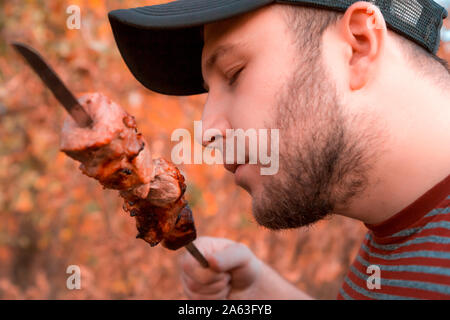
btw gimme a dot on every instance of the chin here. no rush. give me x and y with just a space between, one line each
278 209
247 178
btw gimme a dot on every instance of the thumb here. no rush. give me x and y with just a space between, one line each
233 256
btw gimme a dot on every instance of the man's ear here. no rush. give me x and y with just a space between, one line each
364 29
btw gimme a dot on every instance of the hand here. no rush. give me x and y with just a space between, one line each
233 274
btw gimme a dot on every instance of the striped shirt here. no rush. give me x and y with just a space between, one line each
407 256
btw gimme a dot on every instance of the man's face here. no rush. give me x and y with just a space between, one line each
257 78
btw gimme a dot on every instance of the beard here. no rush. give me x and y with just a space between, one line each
322 163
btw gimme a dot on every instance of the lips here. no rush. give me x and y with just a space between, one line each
231 167
239 179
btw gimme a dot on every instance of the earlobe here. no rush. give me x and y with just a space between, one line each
364 29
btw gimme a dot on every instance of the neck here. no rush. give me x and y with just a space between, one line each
416 154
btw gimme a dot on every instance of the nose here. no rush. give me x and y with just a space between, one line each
215 123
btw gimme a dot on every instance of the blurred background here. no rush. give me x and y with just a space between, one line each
52 216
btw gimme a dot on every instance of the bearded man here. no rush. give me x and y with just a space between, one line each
362 103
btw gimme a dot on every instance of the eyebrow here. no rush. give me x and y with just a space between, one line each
221 51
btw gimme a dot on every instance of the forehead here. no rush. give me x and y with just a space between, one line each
240 30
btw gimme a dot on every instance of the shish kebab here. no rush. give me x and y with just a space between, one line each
105 139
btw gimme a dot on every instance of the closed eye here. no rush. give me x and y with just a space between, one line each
235 76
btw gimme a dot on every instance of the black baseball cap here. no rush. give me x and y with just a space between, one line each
162 44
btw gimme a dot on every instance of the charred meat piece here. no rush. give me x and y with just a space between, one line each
183 233
167 185
113 152
154 223
165 188
157 213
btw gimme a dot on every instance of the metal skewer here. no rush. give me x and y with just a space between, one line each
197 254
54 83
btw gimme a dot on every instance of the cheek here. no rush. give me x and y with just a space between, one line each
254 104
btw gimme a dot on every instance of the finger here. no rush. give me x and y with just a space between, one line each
211 244
222 295
199 288
198 273
233 256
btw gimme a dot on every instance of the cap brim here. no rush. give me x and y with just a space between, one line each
162 44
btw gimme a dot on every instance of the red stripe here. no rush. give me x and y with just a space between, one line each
434 218
359 266
408 275
442 232
444 204
435 262
430 246
399 291
354 294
